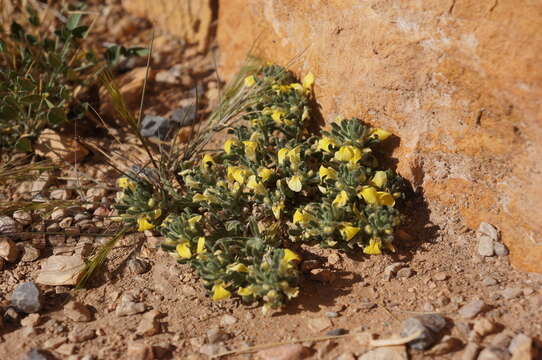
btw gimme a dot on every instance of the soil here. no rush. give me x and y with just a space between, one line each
441 252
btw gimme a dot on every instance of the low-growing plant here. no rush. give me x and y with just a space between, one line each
236 215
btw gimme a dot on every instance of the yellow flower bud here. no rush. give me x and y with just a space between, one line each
341 199
348 153
348 232
380 134
325 142
200 248
144 224
373 248
327 173
294 183
220 292
308 81
379 179
250 81
184 250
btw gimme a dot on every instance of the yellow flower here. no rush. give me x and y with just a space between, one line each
380 134
282 155
348 153
341 199
290 256
325 142
277 116
371 196
265 173
200 248
193 220
237 173
237 267
291 292
124 183
373 248
385 198
228 144
297 87
184 250
207 196
294 156
250 149
294 183
246 291
305 114
380 179
256 186
327 173
348 231
157 213
207 160
308 81
190 182
220 292
277 209
249 81
144 224
256 136
301 217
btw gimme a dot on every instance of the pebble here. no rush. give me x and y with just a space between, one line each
149 324
36 354
440 276
139 351
489 281
8 226
31 320
137 265
12 315
215 334
212 349
502 339
445 346
471 351
493 353
404 273
323 275
489 230
308 265
66 222
22 217
8 250
337 332
101 211
391 270
519 342
58 214
81 334
60 270
346 356
471 309
333 259
55 342
27 298
128 306
319 324
285 352
227 320
511 293
30 253
77 311
500 249
385 353
430 326
331 314
483 327
95 195
60 194
486 246
66 349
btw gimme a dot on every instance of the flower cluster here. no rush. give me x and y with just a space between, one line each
272 186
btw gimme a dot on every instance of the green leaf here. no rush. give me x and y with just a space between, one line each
57 116
27 85
73 21
80 32
23 145
31 99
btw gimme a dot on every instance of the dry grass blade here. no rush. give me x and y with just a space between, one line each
21 172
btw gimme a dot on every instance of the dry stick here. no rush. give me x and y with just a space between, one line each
372 343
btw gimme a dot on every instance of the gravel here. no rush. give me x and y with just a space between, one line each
486 246
26 298
472 309
430 326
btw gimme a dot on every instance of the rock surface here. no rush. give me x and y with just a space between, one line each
433 73
429 326
59 147
27 298
61 270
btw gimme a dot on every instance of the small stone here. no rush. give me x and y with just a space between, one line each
58 214
428 307
30 253
486 246
167 77
484 327
429 326
521 344
472 309
60 194
502 339
54 227
26 298
128 306
489 281
36 354
489 230
212 349
31 320
227 320
447 345
333 258
80 334
59 147
95 195
404 273
386 353
55 342
285 352
77 311
493 353
511 293
471 351
139 351
9 227
137 265
22 217
337 332
60 270
440 276
308 265
323 275
66 349
331 314
500 249
319 324
8 250
215 334
149 324
12 315
391 270
346 356
101 211
66 222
